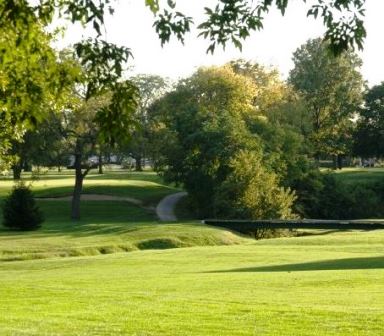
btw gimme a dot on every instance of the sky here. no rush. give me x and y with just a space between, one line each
131 26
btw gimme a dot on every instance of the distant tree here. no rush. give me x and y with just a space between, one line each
332 90
141 145
369 135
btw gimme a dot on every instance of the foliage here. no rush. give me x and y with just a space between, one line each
20 210
369 135
232 21
212 117
143 143
250 191
205 129
332 89
324 196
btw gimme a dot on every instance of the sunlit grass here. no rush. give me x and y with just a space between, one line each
118 271
295 286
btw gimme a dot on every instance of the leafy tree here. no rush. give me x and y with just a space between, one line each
29 84
141 145
332 89
99 106
203 116
22 24
369 135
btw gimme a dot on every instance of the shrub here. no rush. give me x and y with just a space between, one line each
323 196
20 210
252 191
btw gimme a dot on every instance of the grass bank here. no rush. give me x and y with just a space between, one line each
324 285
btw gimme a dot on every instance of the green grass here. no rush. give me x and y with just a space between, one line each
75 278
146 186
105 226
360 175
328 285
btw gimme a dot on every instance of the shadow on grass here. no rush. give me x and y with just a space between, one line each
97 218
148 194
325 265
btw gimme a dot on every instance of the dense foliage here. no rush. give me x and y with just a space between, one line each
20 210
369 135
223 149
332 89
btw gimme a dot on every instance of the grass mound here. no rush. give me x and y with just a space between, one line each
160 244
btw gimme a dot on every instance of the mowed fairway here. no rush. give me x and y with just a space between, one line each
331 284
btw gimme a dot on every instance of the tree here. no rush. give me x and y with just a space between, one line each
83 130
29 83
205 128
151 88
212 117
22 23
369 134
332 89
20 210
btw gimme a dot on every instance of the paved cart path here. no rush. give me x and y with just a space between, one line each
165 210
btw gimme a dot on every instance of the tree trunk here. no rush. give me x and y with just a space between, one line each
16 168
138 166
339 162
334 160
27 167
75 210
100 163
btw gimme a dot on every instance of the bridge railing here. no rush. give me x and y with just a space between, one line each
248 226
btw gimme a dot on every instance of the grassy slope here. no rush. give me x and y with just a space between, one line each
324 285
316 285
106 226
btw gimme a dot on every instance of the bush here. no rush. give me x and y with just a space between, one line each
251 191
20 210
322 196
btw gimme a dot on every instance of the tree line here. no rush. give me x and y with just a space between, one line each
243 142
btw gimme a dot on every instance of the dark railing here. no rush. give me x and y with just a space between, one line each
246 226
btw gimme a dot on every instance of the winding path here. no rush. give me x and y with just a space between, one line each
165 208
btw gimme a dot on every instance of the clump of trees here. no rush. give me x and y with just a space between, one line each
219 144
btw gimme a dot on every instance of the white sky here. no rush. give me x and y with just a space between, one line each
131 25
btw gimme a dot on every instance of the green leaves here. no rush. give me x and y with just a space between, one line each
232 21
103 64
116 120
169 23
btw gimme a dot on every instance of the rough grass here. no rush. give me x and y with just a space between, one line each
324 285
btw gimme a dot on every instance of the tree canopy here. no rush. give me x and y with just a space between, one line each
332 89
369 136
